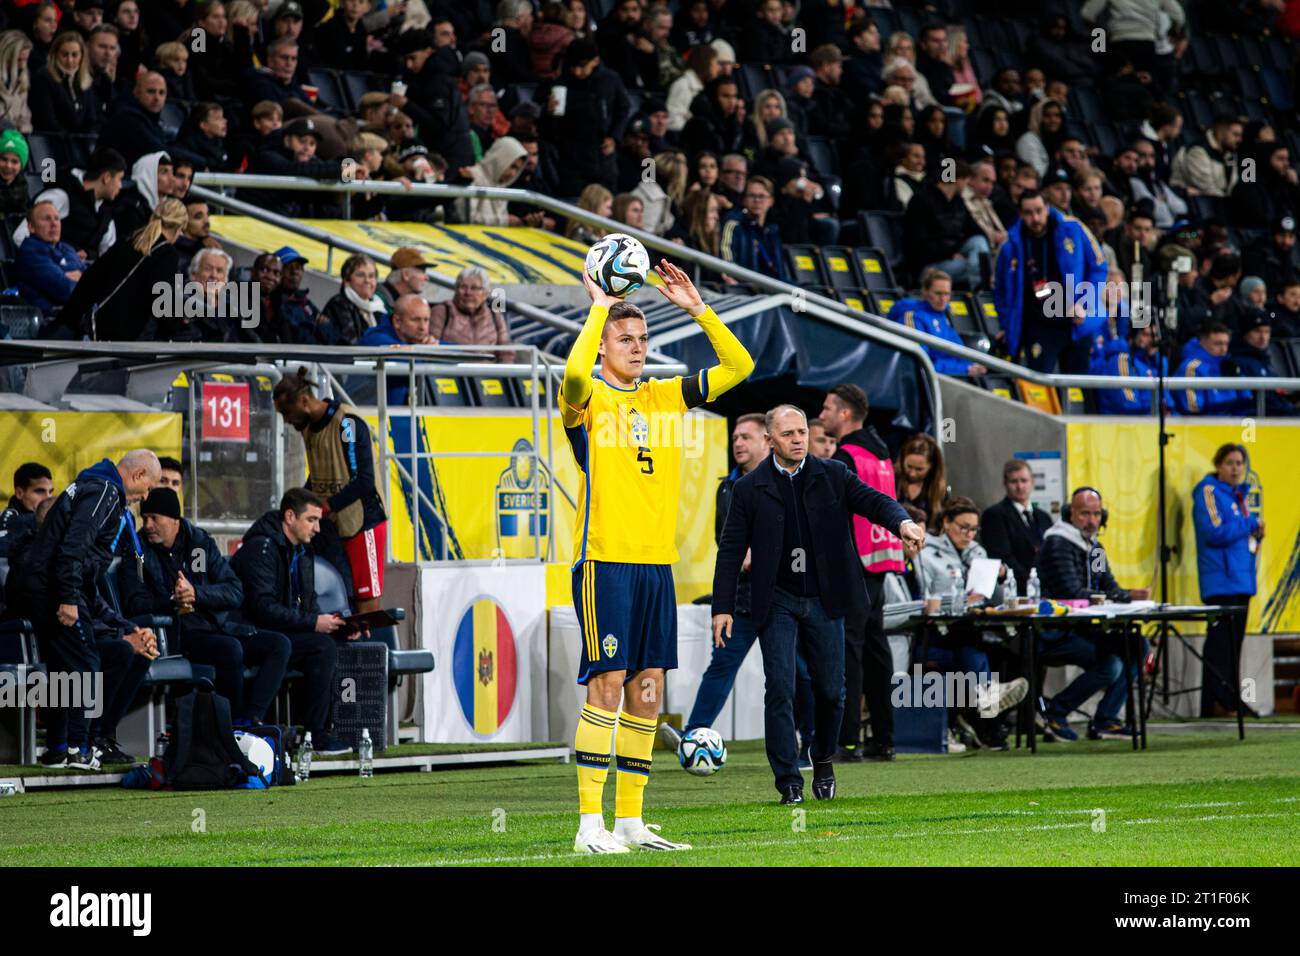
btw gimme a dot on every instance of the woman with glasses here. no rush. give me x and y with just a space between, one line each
945 562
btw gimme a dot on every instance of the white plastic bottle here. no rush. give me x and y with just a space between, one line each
1009 589
366 753
302 772
1033 590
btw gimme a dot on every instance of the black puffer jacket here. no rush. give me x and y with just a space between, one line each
218 592
1072 568
75 543
264 565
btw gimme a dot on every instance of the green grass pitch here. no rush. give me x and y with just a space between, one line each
1192 799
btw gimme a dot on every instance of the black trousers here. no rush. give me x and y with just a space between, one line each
1051 346
1222 636
229 653
74 650
868 669
315 655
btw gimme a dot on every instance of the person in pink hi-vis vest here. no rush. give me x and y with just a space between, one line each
868 664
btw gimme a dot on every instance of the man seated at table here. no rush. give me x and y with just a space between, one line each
1072 566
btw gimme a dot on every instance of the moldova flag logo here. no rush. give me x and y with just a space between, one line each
483 666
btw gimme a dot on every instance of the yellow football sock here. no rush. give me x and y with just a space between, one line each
595 729
632 747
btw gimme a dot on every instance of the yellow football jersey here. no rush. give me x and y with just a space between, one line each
628 445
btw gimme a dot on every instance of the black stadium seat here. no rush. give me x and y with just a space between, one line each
965 321
873 268
839 268
491 392
988 313
329 91
822 156
884 230
1000 385
853 298
805 265
1293 350
882 300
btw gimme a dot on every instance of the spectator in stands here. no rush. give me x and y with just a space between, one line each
467 319
769 107
908 176
86 15
900 69
292 302
946 561
1005 91
85 203
131 38
703 70
868 664
1251 358
343 42
748 239
355 308
629 210
1073 566
920 479
1057 191
278 80
172 476
61 98
152 179
1203 358
633 154
40 21
595 199
407 278
1284 310
764 40
992 135
116 299
1274 190
266 118
277 570
1251 294
1086 192
174 68
1136 356
204 136
716 122
978 197
187 576
1208 296
500 167
1209 167
1012 530
1145 183
294 155
60 587
832 112
548 39
15 80
940 233
1228 538
197 233
693 26
1047 288
1060 55
408 324
1133 27
733 174
932 133
1043 136
103 52
512 58
963 70
1274 253
662 195
48 268
136 128
583 122
932 61
33 483
862 79
698 226
929 314
1161 129
800 86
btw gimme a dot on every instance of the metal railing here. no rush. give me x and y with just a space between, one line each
795 295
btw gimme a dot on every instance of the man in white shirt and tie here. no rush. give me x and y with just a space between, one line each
1012 530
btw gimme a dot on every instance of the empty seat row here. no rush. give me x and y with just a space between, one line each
839 267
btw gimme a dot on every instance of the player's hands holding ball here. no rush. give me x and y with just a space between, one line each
598 295
678 288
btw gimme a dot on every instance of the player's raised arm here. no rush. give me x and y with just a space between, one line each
734 361
582 357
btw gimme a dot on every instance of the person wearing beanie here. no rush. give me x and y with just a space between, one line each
187 577
1250 355
14 194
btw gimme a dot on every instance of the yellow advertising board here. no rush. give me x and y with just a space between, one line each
67 442
510 255
478 508
1121 459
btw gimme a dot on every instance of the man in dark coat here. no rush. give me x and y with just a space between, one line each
278 573
792 515
135 128
1012 530
294 155
432 100
32 485
186 575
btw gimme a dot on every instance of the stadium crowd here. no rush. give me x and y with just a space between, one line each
1007 155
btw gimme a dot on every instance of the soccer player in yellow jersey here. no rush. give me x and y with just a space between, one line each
626 435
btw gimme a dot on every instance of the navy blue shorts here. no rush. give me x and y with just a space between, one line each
628 616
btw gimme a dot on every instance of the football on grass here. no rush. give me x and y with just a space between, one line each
618 263
702 751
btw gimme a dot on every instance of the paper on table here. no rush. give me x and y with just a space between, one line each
982 578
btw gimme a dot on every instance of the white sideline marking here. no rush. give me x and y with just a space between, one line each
845 838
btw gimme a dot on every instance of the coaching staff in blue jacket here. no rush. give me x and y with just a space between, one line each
792 512
1047 288
1227 538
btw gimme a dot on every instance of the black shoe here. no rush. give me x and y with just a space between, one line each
791 794
824 781
54 758
881 753
327 745
845 755
112 752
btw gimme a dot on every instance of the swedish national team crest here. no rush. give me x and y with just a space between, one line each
483 666
523 504
640 428
609 645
